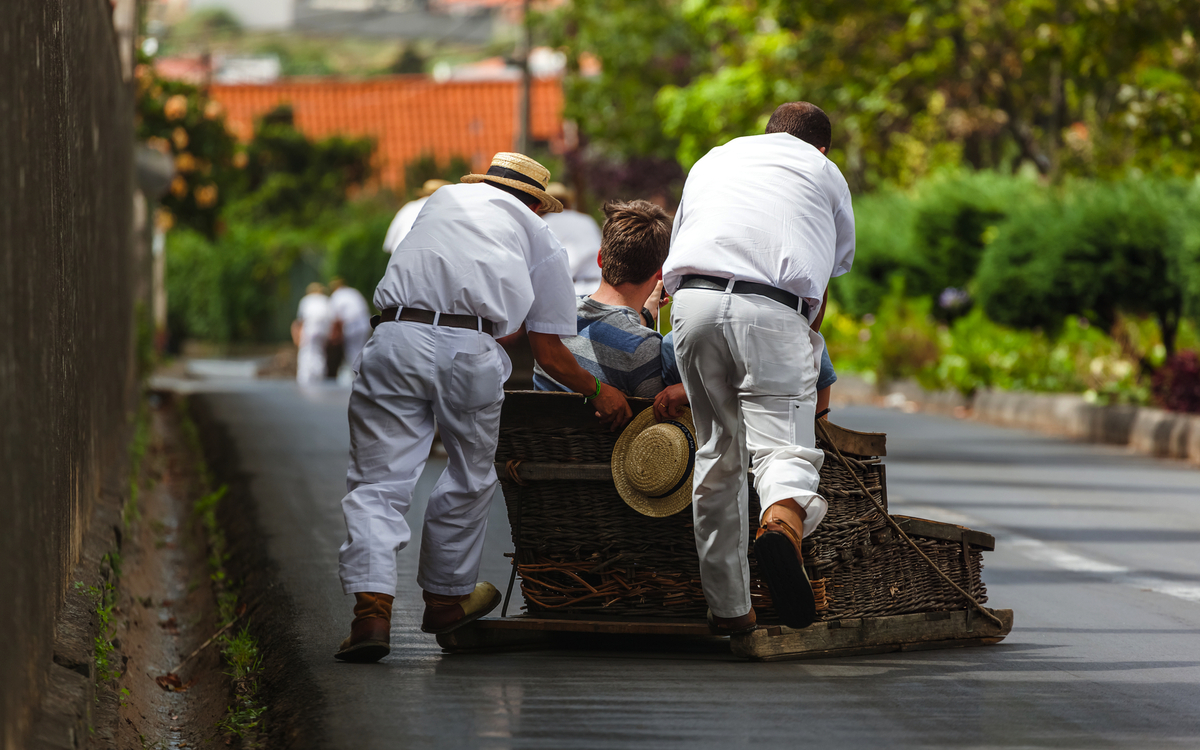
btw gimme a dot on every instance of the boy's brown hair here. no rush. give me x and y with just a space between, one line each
634 241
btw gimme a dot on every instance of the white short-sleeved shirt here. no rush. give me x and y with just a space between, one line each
402 223
350 307
476 250
580 235
316 316
771 209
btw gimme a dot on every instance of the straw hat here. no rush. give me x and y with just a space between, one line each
520 172
652 464
563 193
430 187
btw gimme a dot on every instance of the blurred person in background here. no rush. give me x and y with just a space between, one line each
310 331
407 215
351 326
478 262
580 235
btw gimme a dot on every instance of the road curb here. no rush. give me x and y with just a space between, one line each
1153 432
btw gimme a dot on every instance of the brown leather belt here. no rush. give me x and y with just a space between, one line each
417 315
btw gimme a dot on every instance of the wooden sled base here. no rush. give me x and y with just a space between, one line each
868 635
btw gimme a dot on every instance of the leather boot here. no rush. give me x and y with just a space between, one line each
446 613
370 632
732 625
777 548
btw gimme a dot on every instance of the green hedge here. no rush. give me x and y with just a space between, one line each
244 287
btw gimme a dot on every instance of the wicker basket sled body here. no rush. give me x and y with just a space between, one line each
586 559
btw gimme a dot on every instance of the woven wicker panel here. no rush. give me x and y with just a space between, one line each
582 552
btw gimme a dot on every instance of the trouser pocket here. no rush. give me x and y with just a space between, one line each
475 381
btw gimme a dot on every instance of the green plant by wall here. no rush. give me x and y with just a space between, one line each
104 599
244 714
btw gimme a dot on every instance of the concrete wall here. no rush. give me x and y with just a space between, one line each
66 314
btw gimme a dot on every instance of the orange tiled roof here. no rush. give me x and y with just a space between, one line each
407 115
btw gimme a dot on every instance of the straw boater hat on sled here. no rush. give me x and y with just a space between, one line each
520 172
652 464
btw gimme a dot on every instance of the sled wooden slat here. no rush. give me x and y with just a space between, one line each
868 635
873 635
543 471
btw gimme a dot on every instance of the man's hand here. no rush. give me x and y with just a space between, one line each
653 300
611 407
669 404
558 362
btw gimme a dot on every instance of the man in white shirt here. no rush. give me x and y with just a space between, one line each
351 320
403 221
764 222
478 262
310 331
580 235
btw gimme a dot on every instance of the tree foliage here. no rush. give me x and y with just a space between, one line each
1090 87
179 120
291 177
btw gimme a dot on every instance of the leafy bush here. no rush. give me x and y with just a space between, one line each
932 238
244 286
883 250
1100 251
1176 384
292 178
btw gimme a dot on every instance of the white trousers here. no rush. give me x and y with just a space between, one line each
748 368
310 360
410 374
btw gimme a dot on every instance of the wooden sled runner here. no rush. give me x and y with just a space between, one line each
588 563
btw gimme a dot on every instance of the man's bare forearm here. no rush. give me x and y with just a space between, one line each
558 362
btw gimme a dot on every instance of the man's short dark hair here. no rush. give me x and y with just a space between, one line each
634 241
808 122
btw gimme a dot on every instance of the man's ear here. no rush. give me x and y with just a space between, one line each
823 149
599 255
658 276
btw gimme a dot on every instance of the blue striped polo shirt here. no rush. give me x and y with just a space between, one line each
614 345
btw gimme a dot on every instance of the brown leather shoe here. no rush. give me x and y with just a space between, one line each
732 625
446 613
777 547
370 632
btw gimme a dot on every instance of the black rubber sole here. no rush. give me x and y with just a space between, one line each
785 577
366 652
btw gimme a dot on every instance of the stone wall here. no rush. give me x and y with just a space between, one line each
67 279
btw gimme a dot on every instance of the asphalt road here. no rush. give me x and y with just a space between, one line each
1098 554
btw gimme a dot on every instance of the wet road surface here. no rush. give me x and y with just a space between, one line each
1098 553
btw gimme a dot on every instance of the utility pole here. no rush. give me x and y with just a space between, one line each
526 80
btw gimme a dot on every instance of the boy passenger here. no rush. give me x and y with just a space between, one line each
617 341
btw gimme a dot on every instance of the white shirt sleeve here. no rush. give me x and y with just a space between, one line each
843 222
553 309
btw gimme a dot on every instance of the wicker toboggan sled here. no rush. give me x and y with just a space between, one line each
587 562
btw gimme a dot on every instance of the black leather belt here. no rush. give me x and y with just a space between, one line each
417 315
698 281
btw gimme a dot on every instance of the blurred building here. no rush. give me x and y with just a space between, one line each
454 21
408 116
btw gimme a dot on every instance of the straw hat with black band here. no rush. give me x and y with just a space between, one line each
652 464
520 172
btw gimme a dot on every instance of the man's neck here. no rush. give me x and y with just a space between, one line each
624 295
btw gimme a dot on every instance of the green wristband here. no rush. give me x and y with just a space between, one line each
597 393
